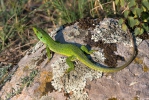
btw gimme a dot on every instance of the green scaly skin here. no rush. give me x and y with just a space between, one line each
73 52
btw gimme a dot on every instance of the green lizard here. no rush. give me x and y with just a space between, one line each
73 52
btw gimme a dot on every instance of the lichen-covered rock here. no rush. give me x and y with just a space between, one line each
37 78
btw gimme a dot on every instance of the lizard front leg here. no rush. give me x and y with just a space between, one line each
48 52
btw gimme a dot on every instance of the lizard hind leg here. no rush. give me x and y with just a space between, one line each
70 63
84 48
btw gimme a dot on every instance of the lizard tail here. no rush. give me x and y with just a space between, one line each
107 69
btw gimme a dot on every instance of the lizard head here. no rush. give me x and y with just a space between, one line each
41 34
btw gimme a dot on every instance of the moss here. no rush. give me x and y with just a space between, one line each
112 99
145 68
138 60
45 80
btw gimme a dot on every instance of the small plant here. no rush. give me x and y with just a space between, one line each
11 21
70 10
29 79
135 15
26 81
4 74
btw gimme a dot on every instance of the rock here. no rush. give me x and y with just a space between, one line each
37 78
144 47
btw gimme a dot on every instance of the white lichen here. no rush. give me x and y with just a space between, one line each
110 32
98 56
79 95
74 81
138 40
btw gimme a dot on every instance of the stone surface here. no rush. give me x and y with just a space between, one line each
39 79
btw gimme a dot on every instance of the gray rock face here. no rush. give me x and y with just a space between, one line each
143 48
40 79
